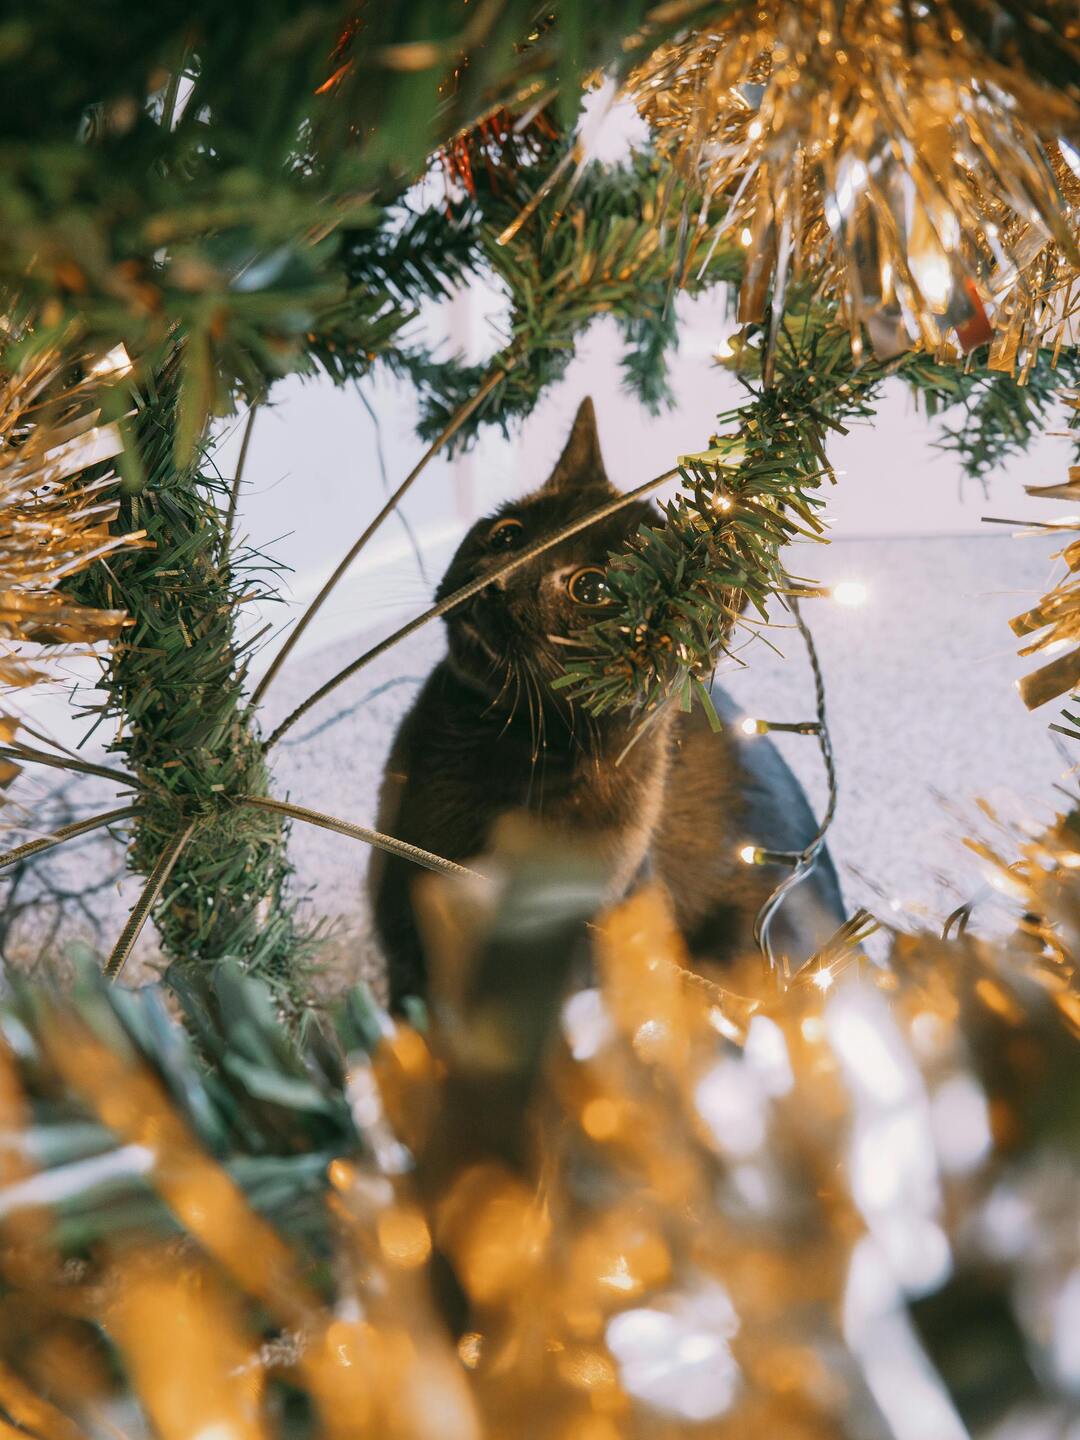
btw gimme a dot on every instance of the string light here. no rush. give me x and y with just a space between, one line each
759 855
805 861
749 726
849 592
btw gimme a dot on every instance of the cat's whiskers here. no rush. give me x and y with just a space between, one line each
535 709
542 712
515 671
507 665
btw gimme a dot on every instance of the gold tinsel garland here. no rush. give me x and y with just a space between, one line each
53 522
879 151
1052 628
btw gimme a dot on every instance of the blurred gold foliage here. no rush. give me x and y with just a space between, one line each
734 1206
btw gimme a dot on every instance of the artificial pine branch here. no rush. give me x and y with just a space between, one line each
175 687
677 588
610 242
742 500
997 418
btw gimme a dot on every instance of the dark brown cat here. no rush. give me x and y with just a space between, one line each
487 735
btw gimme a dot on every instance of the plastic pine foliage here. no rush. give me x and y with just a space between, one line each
176 681
612 243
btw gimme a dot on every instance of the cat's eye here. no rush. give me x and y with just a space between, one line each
506 534
588 586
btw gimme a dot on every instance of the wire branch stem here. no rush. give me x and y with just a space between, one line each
466 593
66 832
147 900
16 751
443 438
234 493
425 858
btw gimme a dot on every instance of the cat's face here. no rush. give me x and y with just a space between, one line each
515 636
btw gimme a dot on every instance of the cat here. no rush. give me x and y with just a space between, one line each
487 735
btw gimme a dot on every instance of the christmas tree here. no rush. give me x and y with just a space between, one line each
395 1228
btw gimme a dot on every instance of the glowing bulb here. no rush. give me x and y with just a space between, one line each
754 129
745 235
722 503
750 727
849 592
823 978
748 854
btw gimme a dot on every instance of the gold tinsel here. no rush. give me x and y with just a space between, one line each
1051 629
880 151
53 522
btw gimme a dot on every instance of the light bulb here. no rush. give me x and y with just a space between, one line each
745 235
750 727
849 592
823 978
748 854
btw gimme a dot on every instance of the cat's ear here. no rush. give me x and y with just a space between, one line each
581 466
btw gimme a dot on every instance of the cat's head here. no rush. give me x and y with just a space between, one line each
516 631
